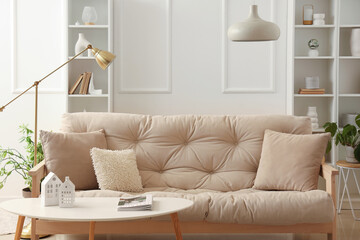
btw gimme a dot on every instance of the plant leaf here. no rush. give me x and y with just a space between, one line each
357 152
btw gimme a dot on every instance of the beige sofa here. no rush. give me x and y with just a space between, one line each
211 160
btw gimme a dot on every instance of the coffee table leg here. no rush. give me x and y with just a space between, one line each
33 230
175 220
92 231
19 227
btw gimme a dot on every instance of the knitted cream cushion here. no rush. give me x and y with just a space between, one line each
116 170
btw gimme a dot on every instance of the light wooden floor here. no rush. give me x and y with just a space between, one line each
347 229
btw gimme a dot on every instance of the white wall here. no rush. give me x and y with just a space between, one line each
172 56
22 111
177 53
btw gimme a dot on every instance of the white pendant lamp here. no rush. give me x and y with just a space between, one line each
253 29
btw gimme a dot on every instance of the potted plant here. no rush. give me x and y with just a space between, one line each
13 161
348 137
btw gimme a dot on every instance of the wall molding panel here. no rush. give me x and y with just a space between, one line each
28 42
228 47
145 68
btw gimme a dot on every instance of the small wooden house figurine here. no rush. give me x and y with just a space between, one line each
66 193
50 190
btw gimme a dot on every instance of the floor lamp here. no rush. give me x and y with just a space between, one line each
103 58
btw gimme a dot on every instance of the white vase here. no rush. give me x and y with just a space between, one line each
313 117
81 44
350 157
89 15
355 42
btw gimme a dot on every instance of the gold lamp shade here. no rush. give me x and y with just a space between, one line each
103 58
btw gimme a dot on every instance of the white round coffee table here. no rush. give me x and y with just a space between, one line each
101 212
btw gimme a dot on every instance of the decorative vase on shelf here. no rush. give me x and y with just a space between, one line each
89 15
81 44
313 117
319 19
355 42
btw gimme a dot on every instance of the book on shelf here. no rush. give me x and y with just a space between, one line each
76 84
135 203
84 88
312 91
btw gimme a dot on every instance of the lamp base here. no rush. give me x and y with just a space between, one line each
26 232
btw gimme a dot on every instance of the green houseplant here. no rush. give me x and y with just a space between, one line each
12 161
348 137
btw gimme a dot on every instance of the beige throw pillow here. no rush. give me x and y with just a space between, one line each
68 154
116 170
290 162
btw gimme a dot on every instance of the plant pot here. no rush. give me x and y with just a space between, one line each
350 157
26 192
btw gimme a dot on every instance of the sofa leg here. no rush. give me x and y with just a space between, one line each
330 236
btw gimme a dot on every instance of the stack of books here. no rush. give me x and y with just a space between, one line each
84 79
135 203
312 91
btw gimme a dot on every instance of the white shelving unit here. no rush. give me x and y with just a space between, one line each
339 72
99 35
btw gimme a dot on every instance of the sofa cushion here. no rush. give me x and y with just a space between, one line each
116 170
68 154
189 152
290 161
248 206
271 207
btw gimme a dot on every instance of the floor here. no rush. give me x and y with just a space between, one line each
347 229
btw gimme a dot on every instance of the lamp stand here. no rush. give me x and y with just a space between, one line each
36 190
103 59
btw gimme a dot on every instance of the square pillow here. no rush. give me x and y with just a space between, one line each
68 154
290 162
116 170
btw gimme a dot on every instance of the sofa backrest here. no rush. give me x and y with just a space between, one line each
187 151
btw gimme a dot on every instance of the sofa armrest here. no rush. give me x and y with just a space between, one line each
328 172
37 173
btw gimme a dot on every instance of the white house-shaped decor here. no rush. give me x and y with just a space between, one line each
50 190
67 193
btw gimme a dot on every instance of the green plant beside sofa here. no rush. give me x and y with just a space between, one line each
13 161
348 137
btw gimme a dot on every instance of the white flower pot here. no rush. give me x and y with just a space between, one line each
350 157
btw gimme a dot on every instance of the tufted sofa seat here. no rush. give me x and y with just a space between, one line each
211 160
247 206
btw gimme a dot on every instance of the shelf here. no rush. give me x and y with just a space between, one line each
313 95
318 130
82 58
349 57
313 58
88 26
88 96
350 95
314 26
350 26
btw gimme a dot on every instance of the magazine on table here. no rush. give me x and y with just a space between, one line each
135 203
